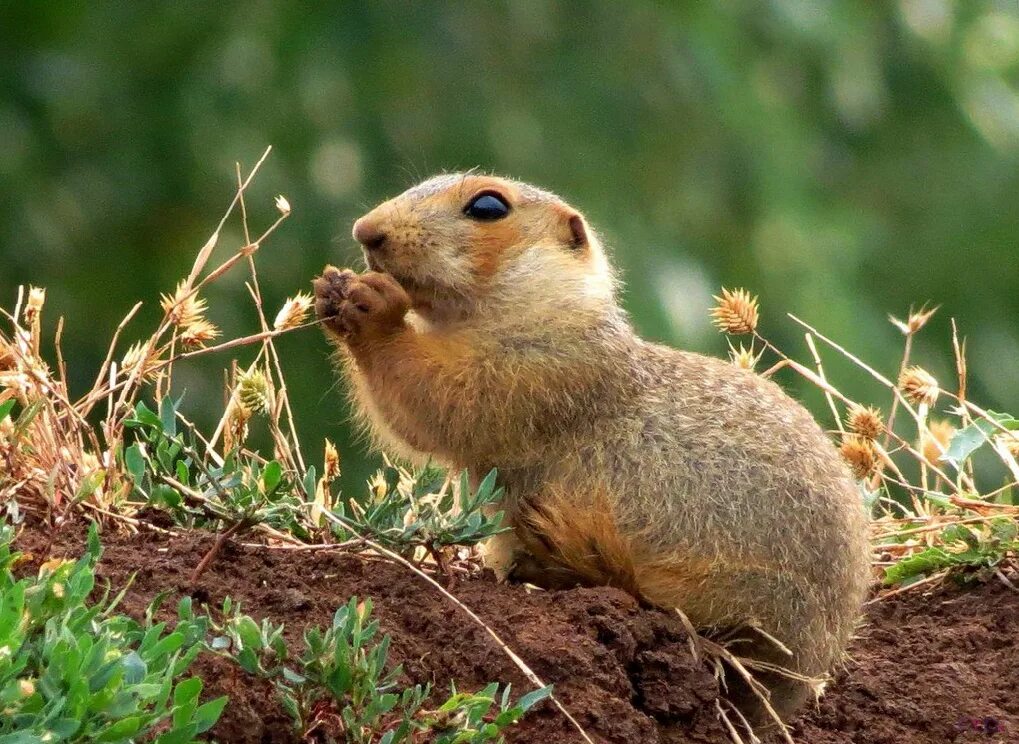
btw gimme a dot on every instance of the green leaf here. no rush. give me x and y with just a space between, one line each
179 735
182 472
248 632
93 548
207 715
167 645
63 727
248 660
310 479
271 476
143 415
187 691
926 562
21 737
6 407
121 730
134 461
168 416
526 702
966 441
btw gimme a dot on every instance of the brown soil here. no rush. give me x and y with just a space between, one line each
927 668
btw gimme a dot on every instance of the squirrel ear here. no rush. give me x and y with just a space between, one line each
576 230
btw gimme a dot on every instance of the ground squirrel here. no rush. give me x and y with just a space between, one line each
487 335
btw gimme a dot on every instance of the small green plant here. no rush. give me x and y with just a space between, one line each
77 672
406 511
970 551
169 470
340 686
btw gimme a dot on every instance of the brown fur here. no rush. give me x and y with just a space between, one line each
680 478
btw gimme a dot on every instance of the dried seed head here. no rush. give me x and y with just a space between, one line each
254 391
6 356
377 486
331 465
1009 442
139 353
744 358
197 333
236 429
939 436
183 307
283 205
33 308
293 312
736 312
860 454
866 422
919 386
915 320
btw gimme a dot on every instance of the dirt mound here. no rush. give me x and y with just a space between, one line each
925 670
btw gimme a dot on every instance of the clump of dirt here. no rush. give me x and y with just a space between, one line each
937 668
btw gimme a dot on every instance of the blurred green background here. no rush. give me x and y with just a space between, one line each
841 159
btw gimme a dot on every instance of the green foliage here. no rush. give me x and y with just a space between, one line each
340 685
77 672
406 510
169 472
966 441
849 162
970 550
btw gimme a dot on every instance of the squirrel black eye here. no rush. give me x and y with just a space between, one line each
487 207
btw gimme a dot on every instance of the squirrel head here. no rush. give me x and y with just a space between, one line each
464 243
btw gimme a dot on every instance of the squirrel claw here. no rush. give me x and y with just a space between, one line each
354 305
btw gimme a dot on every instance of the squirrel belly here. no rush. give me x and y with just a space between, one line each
488 335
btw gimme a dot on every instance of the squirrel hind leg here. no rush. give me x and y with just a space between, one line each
528 569
506 555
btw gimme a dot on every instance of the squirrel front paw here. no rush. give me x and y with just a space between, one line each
357 306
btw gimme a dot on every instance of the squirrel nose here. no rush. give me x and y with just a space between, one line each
368 234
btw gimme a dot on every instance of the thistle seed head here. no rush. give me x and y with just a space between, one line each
939 436
867 422
236 430
736 312
915 320
331 464
860 454
743 357
139 353
183 307
198 333
293 312
919 386
254 391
